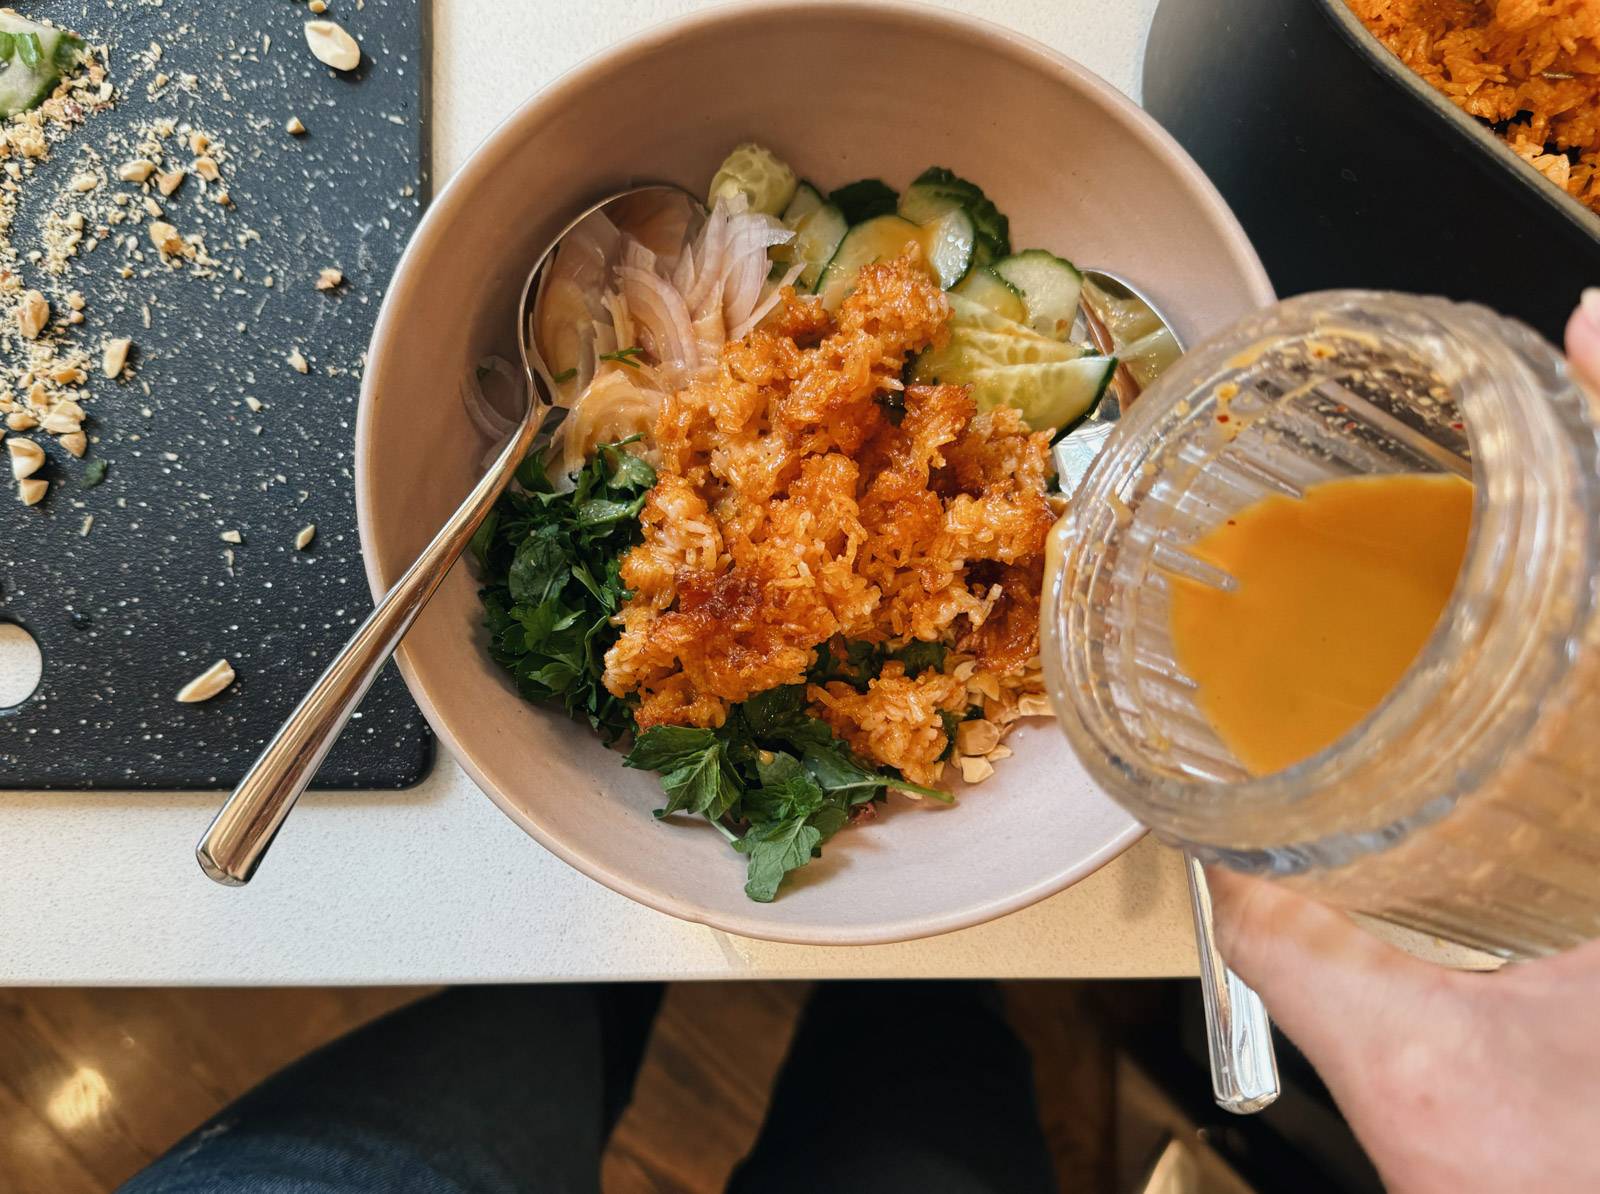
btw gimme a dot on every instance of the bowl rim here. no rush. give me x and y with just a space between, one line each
1387 64
457 192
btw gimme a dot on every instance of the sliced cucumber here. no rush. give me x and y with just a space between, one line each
936 187
1049 286
806 200
971 349
816 240
1050 394
946 245
989 289
38 55
948 242
864 200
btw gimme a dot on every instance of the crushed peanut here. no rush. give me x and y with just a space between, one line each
114 357
332 46
136 171
295 128
208 683
27 457
304 538
31 492
298 362
329 278
33 312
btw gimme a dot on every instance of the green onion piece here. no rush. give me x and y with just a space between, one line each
565 375
29 49
8 47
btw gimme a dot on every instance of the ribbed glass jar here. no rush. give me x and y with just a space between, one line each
1467 803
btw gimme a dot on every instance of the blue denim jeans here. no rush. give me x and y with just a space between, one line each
888 1087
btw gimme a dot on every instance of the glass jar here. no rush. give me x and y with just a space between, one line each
1467 803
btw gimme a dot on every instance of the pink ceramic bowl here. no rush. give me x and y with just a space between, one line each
841 90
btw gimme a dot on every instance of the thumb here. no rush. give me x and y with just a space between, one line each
1583 338
1342 995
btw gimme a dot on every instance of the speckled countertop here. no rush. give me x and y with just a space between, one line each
434 884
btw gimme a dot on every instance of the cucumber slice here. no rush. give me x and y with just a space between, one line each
39 55
816 240
881 239
1049 286
946 245
806 200
1050 394
1149 355
864 200
757 173
937 187
989 289
972 349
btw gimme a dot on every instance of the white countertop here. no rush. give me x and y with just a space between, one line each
435 884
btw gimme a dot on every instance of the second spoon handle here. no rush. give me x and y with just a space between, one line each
1244 1068
239 836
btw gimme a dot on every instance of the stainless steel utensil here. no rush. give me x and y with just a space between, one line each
237 839
1244 1068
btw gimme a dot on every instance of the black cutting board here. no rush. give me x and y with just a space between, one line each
126 615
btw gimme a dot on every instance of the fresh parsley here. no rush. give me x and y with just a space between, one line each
551 565
94 472
774 774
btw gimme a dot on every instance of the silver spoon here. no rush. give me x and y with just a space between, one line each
1244 1068
239 836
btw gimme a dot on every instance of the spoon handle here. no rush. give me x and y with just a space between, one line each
1244 1068
242 831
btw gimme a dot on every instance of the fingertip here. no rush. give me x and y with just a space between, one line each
1583 336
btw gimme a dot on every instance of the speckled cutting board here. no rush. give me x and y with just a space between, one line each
148 598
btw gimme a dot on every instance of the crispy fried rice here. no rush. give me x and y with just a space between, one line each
804 495
1529 67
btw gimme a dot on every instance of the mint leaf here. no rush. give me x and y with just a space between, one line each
774 851
663 748
700 784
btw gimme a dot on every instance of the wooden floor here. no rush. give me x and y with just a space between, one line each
96 1083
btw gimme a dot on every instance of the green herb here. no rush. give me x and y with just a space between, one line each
865 199
564 376
8 47
551 565
952 722
624 356
773 768
29 49
94 472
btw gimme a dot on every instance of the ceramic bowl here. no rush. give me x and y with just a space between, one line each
841 90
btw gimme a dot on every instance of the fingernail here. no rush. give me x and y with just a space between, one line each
1589 305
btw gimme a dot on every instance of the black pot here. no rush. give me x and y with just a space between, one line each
1348 170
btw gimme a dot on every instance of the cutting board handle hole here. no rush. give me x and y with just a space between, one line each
21 664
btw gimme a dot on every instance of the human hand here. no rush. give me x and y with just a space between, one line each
1452 1081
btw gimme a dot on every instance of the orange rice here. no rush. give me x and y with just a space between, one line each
792 510
1530 68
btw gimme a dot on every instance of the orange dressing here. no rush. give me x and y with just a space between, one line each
1337 593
